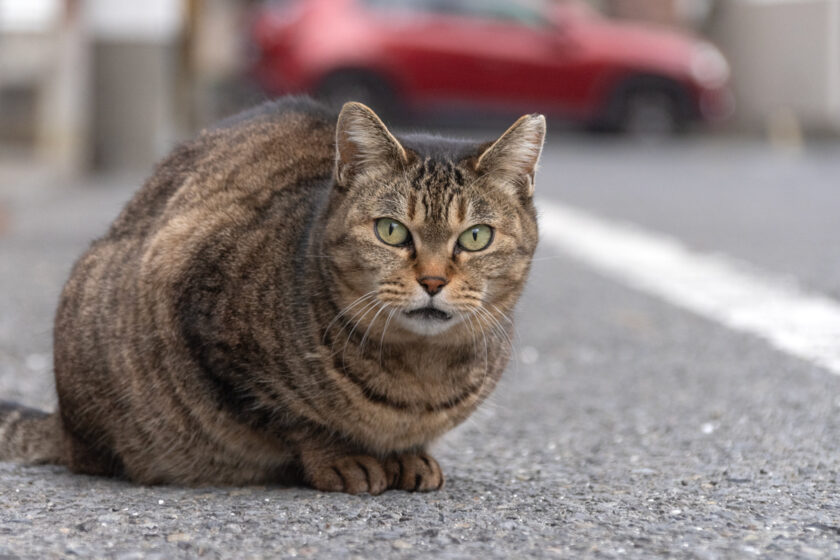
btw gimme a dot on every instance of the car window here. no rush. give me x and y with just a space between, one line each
407 5
525 12
512 11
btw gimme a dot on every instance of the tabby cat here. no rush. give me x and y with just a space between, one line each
291 296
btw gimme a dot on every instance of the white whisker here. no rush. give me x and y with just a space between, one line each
344 311
372 321
368 308
384 329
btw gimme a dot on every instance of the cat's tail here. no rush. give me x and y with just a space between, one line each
28 435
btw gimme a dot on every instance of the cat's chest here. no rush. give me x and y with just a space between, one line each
407 402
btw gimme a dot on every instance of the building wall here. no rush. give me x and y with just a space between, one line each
785 57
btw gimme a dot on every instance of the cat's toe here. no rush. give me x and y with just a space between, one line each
354 474
326 480
414 472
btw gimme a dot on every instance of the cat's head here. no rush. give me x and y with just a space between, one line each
425 233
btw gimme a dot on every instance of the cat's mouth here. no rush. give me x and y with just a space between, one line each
429 313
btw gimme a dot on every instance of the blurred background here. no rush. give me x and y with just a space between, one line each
91 85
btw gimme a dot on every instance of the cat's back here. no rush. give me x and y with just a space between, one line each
280 145
254 176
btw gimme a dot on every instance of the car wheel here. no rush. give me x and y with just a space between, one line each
651 113
340 87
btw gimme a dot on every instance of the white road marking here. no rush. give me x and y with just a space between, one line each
714 286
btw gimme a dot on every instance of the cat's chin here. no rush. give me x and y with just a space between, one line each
427 324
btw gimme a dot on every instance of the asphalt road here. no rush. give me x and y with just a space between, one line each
626 427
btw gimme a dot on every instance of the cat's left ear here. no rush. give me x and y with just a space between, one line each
515 155
362 140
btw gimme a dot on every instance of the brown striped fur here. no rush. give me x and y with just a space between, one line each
241 323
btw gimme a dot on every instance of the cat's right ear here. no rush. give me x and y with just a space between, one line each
514 156
363 141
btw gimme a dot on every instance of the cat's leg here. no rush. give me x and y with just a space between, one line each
415 472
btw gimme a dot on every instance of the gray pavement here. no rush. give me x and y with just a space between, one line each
624 428
775 209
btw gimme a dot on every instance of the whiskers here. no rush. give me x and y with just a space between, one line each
510 330
467 319
382 307
355 320
381 303
361 299
384 330
488 320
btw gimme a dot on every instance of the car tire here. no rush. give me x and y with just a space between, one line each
648 106
351 85
651 112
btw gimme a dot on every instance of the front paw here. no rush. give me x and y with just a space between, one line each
353 474
415 472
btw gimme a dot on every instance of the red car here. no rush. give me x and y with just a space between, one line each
557 57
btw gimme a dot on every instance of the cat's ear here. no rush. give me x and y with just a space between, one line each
361 140
515 155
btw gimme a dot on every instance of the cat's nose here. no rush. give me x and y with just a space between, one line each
432 284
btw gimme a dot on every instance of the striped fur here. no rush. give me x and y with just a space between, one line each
241 323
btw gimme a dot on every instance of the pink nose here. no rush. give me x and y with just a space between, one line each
432 284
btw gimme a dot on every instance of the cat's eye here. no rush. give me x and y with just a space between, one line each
391 232
476 238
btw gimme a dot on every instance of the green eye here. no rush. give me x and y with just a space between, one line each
391 232
476 238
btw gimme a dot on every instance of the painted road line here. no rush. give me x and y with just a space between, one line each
717 287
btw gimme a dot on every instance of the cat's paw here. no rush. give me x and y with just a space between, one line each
415 472
353 474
